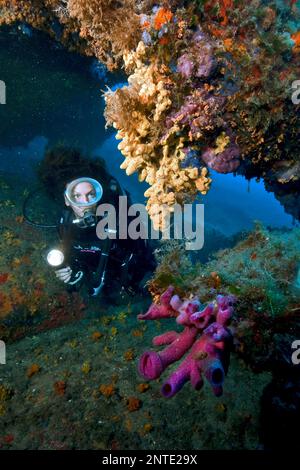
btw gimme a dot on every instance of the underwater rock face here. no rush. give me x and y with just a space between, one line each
288 194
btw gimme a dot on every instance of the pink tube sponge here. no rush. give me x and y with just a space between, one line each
205 335
152 364
205 358
161 310
201 319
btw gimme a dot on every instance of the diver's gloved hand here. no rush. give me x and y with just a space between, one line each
68 276
64 274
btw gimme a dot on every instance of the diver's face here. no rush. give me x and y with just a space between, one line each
83 193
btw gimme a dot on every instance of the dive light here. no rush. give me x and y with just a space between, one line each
55 257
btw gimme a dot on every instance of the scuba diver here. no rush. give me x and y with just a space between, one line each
112 264
104 265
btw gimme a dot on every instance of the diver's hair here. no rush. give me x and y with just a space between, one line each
63 164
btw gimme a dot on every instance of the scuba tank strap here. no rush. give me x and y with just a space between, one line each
100 273
65 223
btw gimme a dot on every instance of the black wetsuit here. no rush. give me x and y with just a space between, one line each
115 263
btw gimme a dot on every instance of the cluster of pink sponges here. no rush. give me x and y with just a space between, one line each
205 334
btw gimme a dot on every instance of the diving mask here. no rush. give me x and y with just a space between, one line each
91 197
83 194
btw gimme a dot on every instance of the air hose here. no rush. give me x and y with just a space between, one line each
24 211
